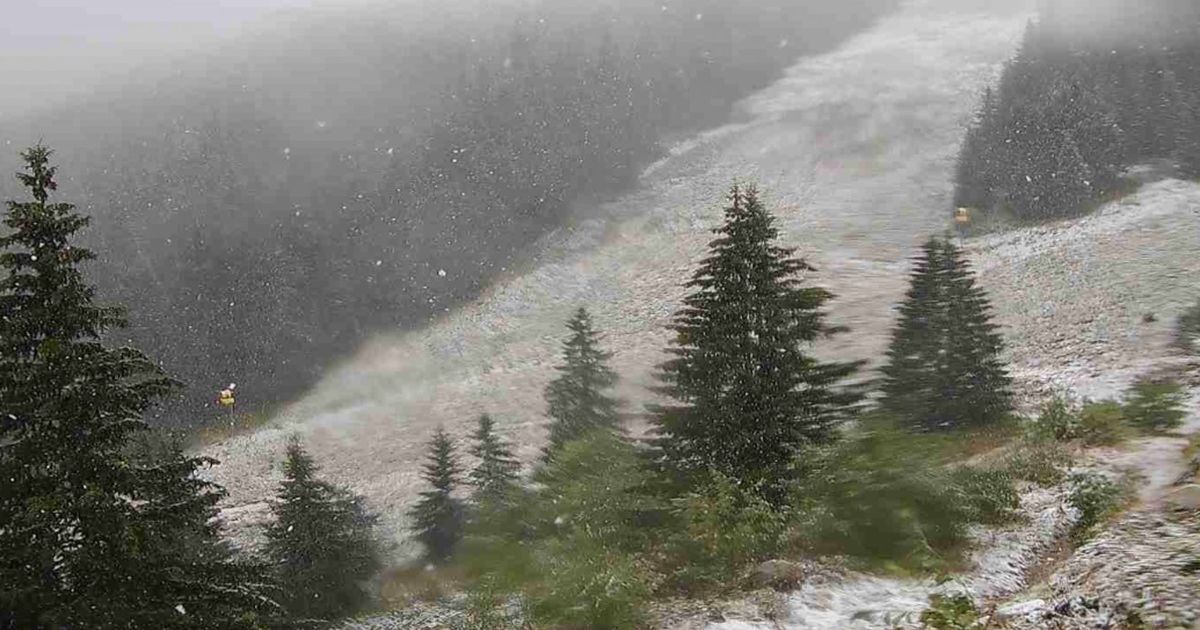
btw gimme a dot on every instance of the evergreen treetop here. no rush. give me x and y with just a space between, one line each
748 397
438 516
577 400
91 537
321 542
495 476
944 363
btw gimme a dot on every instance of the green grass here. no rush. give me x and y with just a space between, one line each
229 425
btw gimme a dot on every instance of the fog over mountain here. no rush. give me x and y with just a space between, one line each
271 183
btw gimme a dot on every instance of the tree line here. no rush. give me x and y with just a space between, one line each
259 223
102 527
1080 103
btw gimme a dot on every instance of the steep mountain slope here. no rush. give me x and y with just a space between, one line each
268 204
855 149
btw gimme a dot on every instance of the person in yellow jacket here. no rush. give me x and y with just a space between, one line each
225 398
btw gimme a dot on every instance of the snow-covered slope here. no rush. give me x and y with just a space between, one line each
855 151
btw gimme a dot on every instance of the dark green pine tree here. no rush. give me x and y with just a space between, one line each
577 400
495 477
944 366
91 537
438 517
748 396
321 543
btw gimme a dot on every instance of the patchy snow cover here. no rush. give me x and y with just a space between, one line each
1003 559
1145 566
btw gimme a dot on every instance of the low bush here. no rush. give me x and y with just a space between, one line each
572 549
721 531
1057 420
1103 423
586 583
1044 464
1096 497
990 493
597 484
882 498
1155 405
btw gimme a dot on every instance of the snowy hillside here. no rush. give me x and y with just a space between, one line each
855 150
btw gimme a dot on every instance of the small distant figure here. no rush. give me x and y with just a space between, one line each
225 398
962 217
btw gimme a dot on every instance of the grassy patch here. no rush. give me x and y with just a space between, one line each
229 426
401 586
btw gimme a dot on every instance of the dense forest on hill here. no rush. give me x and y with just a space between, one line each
1074 110
263 211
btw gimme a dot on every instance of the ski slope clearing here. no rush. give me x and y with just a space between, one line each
855 150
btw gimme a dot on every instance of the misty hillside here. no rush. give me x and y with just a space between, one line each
628 315
1093 91
264 207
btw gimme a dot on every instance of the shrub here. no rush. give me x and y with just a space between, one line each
597 484
587 584
951 612
1103 423
989 493
722 529
1155 405
1096 497
1056 421
1043 464
880 497
570 549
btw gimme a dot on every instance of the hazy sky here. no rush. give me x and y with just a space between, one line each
51 48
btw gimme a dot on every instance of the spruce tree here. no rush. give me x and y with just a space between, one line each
748 398
495 476
944 367
438 516
321 543
577 398
89 536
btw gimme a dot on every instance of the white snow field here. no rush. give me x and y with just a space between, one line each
855 151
